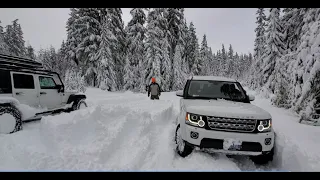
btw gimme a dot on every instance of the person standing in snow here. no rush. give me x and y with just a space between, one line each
154 89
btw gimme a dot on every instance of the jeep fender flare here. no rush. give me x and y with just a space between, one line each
74 98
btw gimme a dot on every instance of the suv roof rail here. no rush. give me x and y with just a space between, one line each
18 62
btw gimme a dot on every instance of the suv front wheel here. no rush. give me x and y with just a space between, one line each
10 119
183 149
264 158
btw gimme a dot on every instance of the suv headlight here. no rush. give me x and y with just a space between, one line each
194 120
264 125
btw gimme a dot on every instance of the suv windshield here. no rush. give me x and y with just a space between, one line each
203 89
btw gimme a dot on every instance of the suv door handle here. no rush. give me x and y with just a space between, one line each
43 93
19 93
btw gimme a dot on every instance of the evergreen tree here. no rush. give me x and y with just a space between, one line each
30 52
204 59
174 18
154 51
230 62
135 49
4 49
275 46
14 39
260 40
193 59
179 73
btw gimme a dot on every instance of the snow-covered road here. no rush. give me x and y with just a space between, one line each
127 131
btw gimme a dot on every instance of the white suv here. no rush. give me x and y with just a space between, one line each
216 114
25 82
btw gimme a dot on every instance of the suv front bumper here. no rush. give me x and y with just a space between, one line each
252 144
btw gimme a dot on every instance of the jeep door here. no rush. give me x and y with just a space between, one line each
24 88
49 95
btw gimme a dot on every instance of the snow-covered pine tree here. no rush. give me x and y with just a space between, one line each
14 39
73 34
281 81
175 20
219 61
157 56
30 52
48 58
154 36
186 44
4 49
179 75
223 62
259 50
135 49
62 61
274 49
106 69
259 42
117 44
292 21
165 63
213 63
307 65
237 67
74 81
194 54
230 62
83 40
204 57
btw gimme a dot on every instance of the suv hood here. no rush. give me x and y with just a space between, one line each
224 108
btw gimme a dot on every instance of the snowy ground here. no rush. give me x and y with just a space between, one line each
127 131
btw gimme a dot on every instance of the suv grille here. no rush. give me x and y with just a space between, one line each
231 124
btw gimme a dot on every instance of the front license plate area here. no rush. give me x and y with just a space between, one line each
232 144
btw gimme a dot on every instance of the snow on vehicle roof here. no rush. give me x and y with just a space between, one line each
213 78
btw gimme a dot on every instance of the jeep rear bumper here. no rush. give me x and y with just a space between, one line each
252 144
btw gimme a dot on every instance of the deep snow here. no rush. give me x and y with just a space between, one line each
127 131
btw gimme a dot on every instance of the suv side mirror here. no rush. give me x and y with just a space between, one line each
179 93
60 88
251 97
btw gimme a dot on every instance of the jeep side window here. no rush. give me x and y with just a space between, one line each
46 82
23 81
5 85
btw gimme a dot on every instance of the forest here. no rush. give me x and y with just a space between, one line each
100 51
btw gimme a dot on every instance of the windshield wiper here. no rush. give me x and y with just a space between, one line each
202 97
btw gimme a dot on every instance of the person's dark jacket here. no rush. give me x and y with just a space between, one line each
154 89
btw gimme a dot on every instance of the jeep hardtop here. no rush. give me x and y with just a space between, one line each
25 81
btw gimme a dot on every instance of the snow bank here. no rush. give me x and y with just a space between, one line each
127 131
12 100
297 145
96 138
28 111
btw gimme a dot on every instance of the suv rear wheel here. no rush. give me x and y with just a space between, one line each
10 119
183 148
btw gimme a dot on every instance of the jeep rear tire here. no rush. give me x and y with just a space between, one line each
80 104
183 149
10 119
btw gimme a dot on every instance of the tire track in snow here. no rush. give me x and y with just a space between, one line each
131 142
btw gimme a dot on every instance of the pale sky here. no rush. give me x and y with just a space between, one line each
43 27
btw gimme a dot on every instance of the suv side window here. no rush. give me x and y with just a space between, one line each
5 85
46 82
23 81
